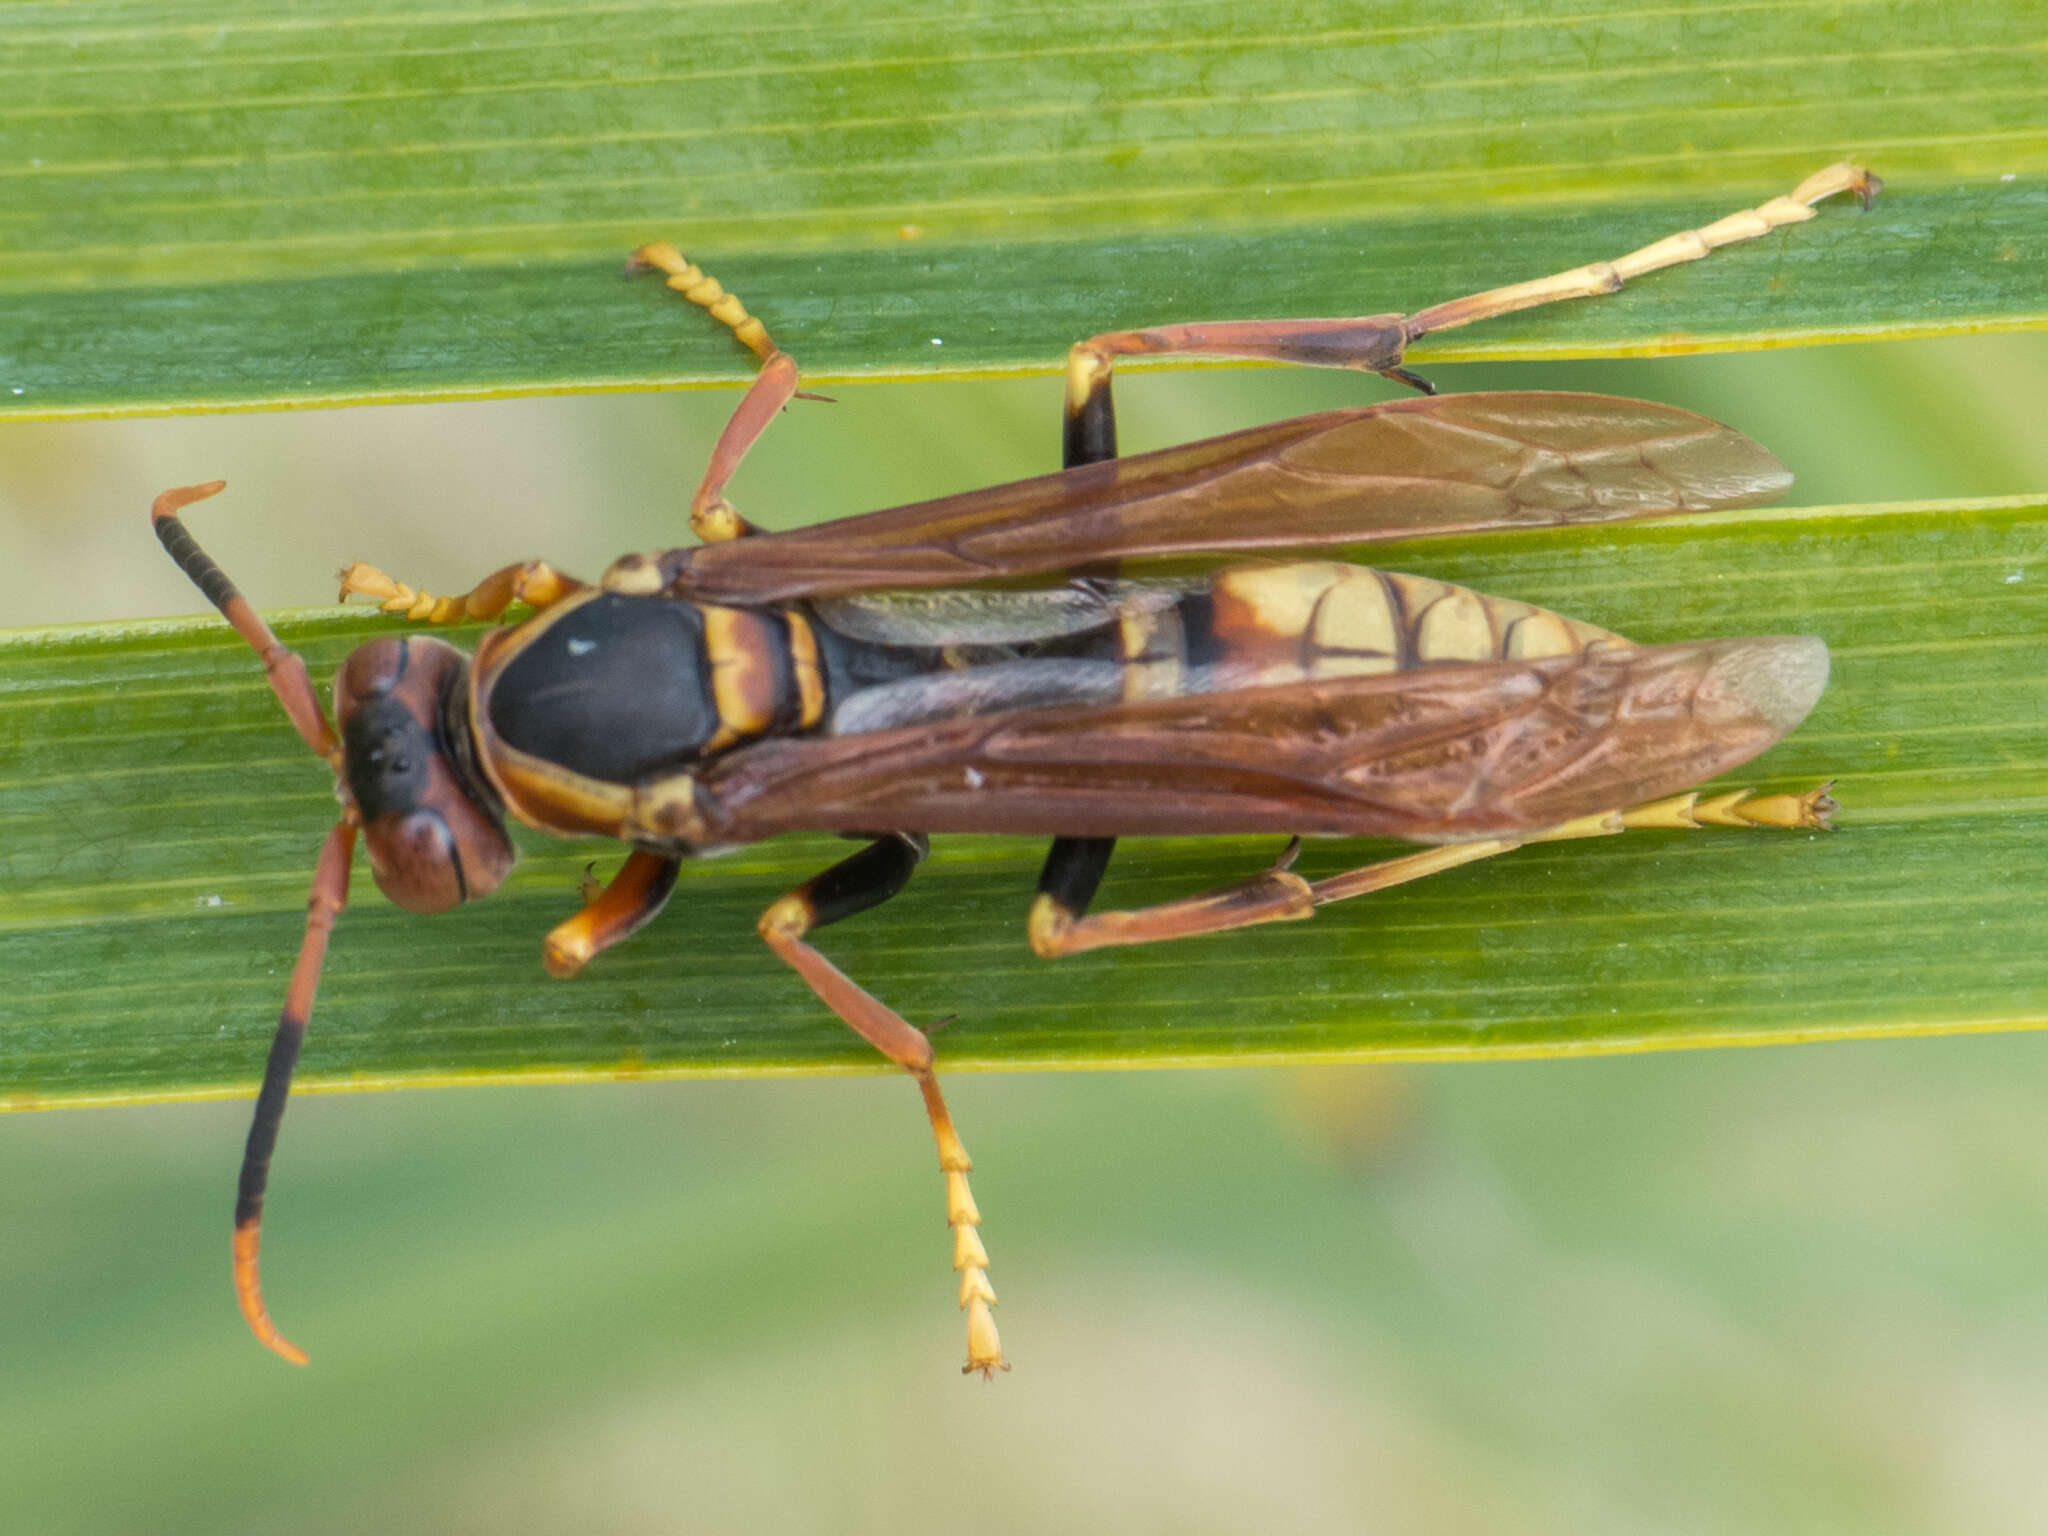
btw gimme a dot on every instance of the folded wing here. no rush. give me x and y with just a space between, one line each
1445 753
1449 463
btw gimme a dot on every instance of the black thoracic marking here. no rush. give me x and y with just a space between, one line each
388 753
615 689
848 665
866 879
1073 869
211 580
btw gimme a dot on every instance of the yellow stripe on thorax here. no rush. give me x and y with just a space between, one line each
737 645
804 664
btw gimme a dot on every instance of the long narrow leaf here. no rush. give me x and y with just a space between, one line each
249 203
158 821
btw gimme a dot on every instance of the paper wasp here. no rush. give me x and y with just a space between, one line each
1004 661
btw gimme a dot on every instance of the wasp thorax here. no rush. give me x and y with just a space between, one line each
430 825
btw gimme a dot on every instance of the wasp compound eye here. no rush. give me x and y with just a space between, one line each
387 752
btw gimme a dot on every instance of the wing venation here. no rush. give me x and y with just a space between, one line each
1445 753
1444 464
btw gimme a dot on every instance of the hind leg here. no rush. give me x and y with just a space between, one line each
1060 925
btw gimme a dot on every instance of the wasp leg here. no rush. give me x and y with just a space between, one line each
1377 343
535 583
1057 927
1067 884
1601 277
1074 865
712 517
637 892
1073 871
853 885
1689 812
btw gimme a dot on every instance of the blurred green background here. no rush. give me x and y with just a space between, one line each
1782 1290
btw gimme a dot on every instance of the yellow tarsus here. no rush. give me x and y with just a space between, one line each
1737 808
702 289
394 596
970 1255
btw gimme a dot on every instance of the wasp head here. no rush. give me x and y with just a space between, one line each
431 821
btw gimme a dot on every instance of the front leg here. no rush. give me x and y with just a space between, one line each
637 892
853 885
534 583
712 517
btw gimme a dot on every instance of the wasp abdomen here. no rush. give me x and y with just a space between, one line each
1248 626
1272 624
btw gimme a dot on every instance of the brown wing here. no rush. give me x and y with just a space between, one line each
1450 463
1432 755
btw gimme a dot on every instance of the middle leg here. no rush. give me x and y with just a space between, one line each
867 879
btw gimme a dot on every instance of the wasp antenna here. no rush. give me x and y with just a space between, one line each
287 673
323 906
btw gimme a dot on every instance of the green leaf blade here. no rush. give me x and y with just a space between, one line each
160 823
253 205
